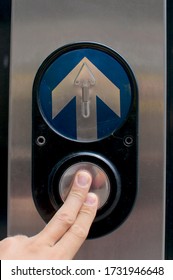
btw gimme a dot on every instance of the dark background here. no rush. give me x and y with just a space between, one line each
5 20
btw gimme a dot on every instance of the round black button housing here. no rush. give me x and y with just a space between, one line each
106 181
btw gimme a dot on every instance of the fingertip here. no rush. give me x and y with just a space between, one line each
91 199
83 178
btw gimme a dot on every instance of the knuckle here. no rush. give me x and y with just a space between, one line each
11 241
21 237
8 242
79 231
65 218
77 195
89 211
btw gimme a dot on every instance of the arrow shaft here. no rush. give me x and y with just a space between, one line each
85 104
85 94
86 126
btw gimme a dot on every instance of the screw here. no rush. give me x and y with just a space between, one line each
41 140
128 141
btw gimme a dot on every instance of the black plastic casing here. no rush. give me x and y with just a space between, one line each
117 155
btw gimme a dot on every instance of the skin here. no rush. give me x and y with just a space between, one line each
64 234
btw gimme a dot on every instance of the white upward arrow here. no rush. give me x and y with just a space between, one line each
85 82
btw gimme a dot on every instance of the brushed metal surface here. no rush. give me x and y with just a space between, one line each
133 28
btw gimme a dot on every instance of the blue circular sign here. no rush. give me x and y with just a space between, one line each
85 91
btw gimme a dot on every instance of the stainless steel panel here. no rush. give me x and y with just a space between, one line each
133 28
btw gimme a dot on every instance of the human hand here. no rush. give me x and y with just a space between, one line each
64 234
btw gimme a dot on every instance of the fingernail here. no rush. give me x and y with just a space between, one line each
83 178
91 199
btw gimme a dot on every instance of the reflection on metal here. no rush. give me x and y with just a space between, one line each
93 84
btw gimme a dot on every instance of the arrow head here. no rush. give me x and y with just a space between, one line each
85 77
